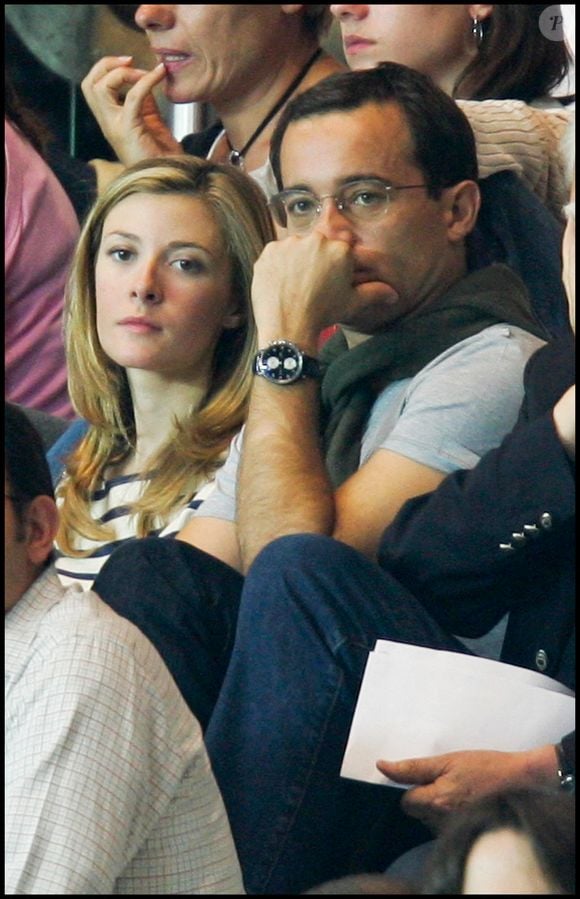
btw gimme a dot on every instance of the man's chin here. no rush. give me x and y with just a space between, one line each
375 304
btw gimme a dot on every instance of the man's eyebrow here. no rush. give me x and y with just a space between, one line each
348 179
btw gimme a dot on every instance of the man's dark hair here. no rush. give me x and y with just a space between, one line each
26 465
444 145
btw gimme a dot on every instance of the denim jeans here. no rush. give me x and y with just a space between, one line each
311 610
186 602
279 692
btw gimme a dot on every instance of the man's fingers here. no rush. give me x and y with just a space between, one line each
411 771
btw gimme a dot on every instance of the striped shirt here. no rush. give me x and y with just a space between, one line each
108 786
110 505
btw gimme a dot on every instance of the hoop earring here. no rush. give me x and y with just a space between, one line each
477 32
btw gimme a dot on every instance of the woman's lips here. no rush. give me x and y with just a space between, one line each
139 325
355 44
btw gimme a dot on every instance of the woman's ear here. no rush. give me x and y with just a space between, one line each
292 8
40 527
480 11
462 203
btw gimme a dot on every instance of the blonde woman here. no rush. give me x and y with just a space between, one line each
159 338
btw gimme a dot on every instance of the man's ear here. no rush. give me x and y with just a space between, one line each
462 202
41 525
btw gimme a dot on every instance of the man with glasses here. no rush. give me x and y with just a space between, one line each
378 173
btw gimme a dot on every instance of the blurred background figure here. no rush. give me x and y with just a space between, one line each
40 232
359 884
246 61
513 842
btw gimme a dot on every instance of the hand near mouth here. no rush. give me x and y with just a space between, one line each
129 118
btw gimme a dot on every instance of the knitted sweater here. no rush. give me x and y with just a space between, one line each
512 135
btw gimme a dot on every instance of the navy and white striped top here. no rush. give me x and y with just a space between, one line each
110 505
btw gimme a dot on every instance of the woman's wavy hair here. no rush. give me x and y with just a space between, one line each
99 388
515 59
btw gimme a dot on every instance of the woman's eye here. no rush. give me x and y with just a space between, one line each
188 266
121 254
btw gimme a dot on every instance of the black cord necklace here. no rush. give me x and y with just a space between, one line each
236 157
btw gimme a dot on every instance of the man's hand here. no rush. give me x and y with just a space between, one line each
121 99
441 784
301 285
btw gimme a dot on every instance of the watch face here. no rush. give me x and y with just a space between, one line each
280 362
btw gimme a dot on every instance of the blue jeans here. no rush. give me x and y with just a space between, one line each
310 610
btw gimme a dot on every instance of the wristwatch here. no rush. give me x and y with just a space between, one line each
566 775
283 363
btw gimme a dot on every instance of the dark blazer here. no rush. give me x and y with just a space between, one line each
504 535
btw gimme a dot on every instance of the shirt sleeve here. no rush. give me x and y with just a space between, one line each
95 754
220 501
462 404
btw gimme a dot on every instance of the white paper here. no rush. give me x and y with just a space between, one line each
417 702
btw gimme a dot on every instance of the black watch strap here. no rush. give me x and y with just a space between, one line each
310 367
282 362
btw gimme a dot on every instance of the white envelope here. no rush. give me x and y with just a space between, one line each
417 702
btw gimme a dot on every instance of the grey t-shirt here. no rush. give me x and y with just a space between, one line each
447 416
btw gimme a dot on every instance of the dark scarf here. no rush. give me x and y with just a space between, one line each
354 378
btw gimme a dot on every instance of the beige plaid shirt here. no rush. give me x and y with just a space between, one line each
108 785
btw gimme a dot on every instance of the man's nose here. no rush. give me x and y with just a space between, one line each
332 221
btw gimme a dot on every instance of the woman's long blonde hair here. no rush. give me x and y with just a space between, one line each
99 388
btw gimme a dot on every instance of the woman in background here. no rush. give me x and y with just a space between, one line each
244 60
40 232
496 61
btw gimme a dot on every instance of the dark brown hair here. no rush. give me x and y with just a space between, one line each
443 142
515 60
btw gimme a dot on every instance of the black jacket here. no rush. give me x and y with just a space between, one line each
504 535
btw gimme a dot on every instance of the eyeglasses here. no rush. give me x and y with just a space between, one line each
360 201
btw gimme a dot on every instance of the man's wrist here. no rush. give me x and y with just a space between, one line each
283 362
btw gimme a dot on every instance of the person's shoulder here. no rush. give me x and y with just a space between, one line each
497 352
82 619
100 654
60 449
